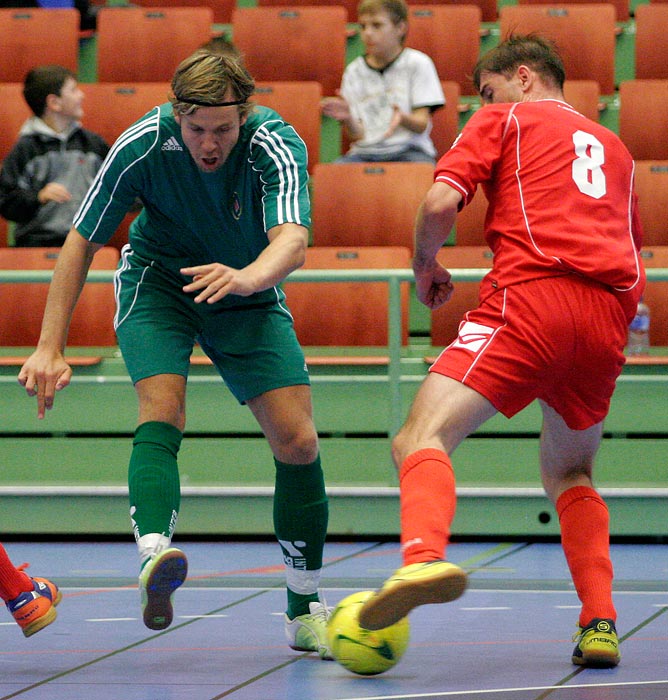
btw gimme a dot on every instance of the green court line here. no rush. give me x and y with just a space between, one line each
576 673
505 549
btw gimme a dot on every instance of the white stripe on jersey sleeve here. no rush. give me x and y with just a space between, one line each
136 131
288 171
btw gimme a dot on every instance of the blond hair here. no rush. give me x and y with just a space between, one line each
204 79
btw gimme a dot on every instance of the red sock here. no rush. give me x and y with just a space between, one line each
428 503
585 537
12 581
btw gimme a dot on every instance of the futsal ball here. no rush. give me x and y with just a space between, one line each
363 651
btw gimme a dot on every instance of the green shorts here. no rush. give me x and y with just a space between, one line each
253 347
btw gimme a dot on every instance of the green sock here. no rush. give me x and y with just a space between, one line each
300 522
153 479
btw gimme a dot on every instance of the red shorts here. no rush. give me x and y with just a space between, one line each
559 339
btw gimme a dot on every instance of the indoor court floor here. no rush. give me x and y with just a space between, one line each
507 638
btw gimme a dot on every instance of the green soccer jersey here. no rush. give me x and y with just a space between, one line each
191 217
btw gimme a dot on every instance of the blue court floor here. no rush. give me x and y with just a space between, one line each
507 638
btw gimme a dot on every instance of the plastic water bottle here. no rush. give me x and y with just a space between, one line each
638 339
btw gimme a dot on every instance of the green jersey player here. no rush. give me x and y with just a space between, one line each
223 185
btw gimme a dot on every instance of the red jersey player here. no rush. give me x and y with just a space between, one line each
551 325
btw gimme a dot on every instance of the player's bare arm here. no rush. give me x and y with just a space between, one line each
435 218
285 253
46 370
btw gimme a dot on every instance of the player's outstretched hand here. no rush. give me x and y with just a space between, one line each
215 281
42 375
433 285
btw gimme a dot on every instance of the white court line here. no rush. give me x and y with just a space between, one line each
456 693
134 619
111 619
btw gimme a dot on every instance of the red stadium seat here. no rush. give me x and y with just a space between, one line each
110 108
651 185
298 102
23 303
368 204
584 34
643 118
298 43
450 35
445 121
445 320
136 44
13 113
32 37
347 313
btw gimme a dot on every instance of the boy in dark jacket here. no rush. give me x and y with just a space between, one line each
47 173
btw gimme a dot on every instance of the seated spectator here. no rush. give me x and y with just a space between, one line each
388 95
49 169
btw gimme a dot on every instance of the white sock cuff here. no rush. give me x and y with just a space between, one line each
151 544
302 581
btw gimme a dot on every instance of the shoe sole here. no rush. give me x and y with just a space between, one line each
41 622
394 603
166 576
322 650
594 659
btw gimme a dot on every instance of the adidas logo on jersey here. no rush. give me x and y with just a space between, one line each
171 144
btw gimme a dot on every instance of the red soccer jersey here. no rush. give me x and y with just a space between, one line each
560 191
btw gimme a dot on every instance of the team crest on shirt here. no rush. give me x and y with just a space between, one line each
236 206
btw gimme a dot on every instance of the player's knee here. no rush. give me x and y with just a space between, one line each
170 411
298 447
399 449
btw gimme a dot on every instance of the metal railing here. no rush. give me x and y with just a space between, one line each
394 278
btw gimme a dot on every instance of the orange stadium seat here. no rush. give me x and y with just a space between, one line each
13 113
367 204
585 96
621 6
584 34
222 9
350 5
347 313
450 35
298 43
651 184
656 296
445 320
470 223
110 108
643 118
651 41
298 102
23 303
136 44
488 8
445 121
36 36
